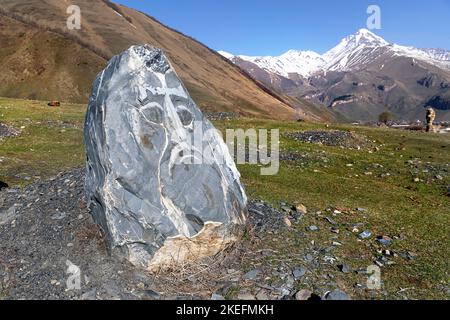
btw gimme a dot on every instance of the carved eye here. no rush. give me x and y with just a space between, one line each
153 114
185 116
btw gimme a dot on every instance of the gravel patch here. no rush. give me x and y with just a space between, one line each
7 131
334 138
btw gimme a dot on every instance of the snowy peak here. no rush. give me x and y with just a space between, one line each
368 38
353 52
226 54
293 61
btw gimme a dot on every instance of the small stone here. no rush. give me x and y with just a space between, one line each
337 295
53 282
141 286
335 230
313 228
290 282
344 268
287 222
152 294
90 295
365 234
299 273
262 296
309 257
384 240
303 295
217 297
416 180
361 209
331 221
244 295
251 275
379 263
411 255
301 208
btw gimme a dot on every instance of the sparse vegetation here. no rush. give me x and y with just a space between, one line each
401 182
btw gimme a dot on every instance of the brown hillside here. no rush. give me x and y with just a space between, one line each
40 58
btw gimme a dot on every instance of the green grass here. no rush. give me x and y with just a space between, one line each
396 204
51 141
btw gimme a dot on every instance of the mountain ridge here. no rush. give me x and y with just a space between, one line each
335 58
361 77
44 70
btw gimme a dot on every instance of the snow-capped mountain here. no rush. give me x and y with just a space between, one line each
353 52
293 61
360 77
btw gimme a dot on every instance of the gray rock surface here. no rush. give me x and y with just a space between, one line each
161 196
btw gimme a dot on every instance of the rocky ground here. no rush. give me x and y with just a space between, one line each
7 131
46 234
335 138
45 230
221 116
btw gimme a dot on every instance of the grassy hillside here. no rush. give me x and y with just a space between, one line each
62 64
400 180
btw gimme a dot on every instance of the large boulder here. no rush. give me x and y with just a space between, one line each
161 196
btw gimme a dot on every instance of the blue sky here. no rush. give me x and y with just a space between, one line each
271 27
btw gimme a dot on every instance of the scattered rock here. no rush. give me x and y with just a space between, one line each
299 273
262 296
301 208
337 295
252 275
217 297
7 131
409 255
221 116
303 295
365 234
330 138
344 268
90 295
313 228
335 230
244 295
287 222
384 240
7 216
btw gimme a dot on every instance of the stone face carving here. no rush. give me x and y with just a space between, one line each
431 116
157 199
